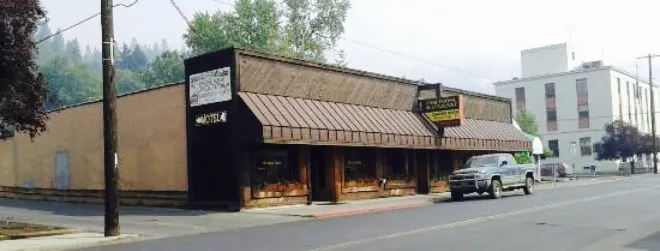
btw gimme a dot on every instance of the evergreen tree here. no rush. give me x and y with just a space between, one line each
73 50
58 44
138 60
44 49
89 56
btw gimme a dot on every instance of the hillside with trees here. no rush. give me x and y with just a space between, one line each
74 76
306 29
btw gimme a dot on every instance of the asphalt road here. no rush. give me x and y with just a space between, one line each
624 215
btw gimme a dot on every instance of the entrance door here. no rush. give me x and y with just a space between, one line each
62 177
319 168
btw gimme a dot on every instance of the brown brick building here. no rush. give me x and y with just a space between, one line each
249 129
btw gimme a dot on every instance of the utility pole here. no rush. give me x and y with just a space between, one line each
655 153
110 156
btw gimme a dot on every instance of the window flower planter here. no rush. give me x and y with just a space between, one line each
439 186
279 190
361 185
400 183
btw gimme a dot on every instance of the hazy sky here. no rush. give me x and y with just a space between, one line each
477 37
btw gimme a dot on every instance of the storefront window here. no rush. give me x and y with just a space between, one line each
441 167
275 167
357 165
395 165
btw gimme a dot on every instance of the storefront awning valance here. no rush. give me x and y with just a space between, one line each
306 121
476 134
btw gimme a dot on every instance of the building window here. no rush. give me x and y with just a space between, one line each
582 103
553 145
396 166
520 98
357 166
550 107
441 168
636 111
618 82
275 167
629 102
585 146
648 109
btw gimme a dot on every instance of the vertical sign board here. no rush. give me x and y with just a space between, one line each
210 116
210 87
444 111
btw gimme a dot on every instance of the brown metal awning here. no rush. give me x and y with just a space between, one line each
476 134
305 121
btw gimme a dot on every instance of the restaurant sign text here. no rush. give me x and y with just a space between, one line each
444 111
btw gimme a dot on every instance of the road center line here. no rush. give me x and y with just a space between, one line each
482 219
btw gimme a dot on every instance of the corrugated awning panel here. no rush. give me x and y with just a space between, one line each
296 120
476 134
485 129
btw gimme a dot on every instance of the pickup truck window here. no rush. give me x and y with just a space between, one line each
481 161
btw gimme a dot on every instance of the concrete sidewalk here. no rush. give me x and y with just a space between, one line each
63 242
324 210
144 221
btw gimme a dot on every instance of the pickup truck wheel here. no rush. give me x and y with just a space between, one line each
456 196
529 186
495 189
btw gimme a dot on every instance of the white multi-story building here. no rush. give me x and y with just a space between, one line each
573 101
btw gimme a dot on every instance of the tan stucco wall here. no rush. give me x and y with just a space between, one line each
152 148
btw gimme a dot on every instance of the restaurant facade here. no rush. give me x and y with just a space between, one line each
249 129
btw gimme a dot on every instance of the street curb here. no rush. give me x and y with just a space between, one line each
126 238
43 234
368 210
597 182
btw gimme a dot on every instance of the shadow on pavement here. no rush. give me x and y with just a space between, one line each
79 209
475 197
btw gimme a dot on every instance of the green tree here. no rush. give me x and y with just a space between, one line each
253 24
44 49
22 87
73 50
128 81
166 68
70 82
131 58
96 60
138 59
89 55
58 44
621 141
122 56
527 122
314 26
299 28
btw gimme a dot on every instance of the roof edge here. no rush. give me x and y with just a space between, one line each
59 109
609 67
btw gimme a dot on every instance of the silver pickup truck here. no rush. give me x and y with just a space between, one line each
492 174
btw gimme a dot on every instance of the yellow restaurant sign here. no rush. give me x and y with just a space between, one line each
445 111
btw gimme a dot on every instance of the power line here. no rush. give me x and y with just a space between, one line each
225 3
85 20
182 15
397 53
416 59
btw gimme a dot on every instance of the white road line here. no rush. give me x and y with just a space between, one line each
481 219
